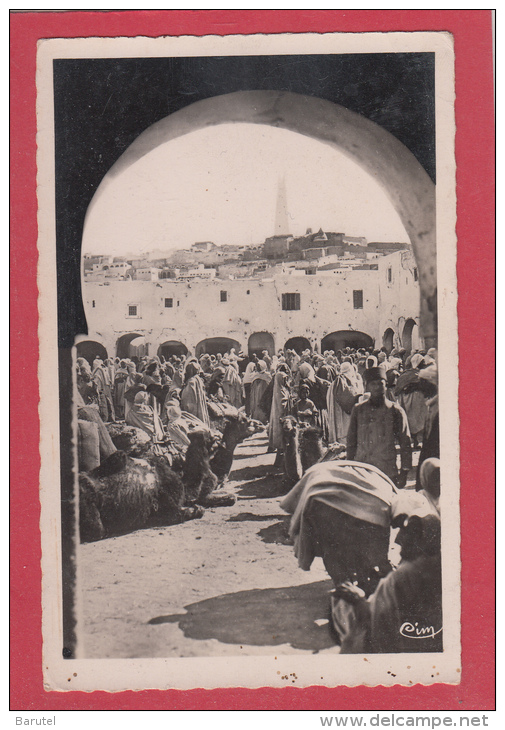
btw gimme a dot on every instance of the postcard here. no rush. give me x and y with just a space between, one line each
248 361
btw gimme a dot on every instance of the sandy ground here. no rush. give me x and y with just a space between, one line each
226 584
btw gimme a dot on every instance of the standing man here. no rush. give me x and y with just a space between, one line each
247 379
376 426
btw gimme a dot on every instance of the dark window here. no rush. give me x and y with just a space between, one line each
132 310
93 304
224 296
169 302
415 273
390 275
357 298
290 301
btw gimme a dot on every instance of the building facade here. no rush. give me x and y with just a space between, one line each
329 310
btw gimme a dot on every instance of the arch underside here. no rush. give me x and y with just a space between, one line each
372 147
378 152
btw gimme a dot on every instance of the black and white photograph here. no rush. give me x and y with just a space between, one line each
248 361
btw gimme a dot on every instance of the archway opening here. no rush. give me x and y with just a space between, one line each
346 338
388 339
215 345
172 347
411 337
260 341
375 150
131 345
298 344
89 349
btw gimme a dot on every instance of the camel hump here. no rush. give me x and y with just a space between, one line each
113 464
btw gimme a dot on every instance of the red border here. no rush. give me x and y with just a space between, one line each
475 187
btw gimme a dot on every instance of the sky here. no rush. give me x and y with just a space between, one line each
220 184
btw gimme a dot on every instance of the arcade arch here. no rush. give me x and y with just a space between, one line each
411 339
215 345
298 344
260 341
172 347
89 349
346 338
388 339
127 345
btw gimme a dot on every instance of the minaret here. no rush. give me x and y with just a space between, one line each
281 211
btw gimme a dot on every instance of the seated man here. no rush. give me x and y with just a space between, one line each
404 614
143 416
180 425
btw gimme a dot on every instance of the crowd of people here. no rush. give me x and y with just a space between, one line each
371 402
378 407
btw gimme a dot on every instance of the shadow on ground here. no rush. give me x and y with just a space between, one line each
262 488
277 533
238 455
261 617
250 517
254 472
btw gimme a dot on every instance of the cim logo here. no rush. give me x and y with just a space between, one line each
415 631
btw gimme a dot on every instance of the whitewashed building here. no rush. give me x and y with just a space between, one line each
335 309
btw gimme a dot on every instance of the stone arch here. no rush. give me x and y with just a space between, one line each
376 150
260 341
388 339
346 338
125 348
89 349
298 344
411 339
172 347
213 345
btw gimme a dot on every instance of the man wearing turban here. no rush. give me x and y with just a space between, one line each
376 426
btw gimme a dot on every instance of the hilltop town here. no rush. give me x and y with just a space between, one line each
314 252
